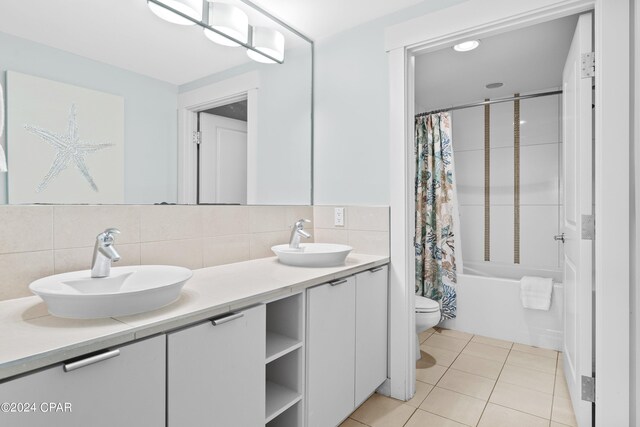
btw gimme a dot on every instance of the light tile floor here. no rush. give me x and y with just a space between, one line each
469 380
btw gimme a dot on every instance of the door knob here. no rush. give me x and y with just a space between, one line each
559 237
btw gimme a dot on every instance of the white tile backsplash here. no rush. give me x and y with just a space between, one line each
37 241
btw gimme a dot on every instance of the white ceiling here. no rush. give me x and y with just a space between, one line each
525 60
126 34
322 18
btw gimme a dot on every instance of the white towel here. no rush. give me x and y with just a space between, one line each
535 292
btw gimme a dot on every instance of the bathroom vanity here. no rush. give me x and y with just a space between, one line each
248 344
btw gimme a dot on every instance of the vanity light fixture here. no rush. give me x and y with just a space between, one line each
191 8
229 20
267 41
226 24
466 46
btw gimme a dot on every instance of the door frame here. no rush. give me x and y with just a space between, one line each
483 18
244 86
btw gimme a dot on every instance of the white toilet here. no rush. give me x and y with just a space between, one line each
427 316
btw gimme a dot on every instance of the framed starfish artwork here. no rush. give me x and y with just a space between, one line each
65 144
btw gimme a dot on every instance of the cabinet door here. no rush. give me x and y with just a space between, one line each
216 373
330 352
120 387
371 331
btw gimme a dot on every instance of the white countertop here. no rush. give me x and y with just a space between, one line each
30 338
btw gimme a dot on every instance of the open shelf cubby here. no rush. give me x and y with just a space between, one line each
285 326
284 359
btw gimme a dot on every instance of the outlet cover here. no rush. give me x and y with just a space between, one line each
338 217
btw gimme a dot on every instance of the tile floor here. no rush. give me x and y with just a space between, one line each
469 380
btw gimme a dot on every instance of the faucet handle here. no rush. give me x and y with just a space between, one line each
302 221
108 235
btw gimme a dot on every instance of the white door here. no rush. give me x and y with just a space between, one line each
577 206
223 160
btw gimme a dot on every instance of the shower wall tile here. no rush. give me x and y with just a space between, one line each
502 234
502 165
539 225
469 177
471 233
539 175
467 129
502 125
539 120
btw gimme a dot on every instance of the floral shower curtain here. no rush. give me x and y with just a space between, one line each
434 238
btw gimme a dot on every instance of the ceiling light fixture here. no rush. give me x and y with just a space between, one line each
269 42
229 20
191 8
466 46
226 24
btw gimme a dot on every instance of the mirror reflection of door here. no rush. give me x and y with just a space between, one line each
223 155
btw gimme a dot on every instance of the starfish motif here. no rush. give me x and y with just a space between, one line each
69 149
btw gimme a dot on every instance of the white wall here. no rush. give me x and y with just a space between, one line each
150 113
352 112
540 154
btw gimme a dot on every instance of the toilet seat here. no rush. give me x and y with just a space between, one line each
426 305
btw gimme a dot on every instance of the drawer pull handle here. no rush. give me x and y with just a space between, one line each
338 282
68 367
226 319
373 270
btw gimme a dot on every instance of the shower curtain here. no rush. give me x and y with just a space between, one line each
434 196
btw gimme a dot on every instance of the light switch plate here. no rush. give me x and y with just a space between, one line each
338 217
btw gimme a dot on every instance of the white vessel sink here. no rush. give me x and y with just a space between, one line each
313 254
128 290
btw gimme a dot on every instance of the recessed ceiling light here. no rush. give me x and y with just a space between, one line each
494 85
466 46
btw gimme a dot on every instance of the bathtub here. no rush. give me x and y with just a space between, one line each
489 304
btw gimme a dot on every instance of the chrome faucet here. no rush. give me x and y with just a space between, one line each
104 253
297 231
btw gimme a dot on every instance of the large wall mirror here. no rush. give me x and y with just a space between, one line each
148 102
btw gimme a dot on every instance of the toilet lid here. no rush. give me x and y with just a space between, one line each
426 305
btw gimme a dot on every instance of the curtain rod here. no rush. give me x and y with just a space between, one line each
491 101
